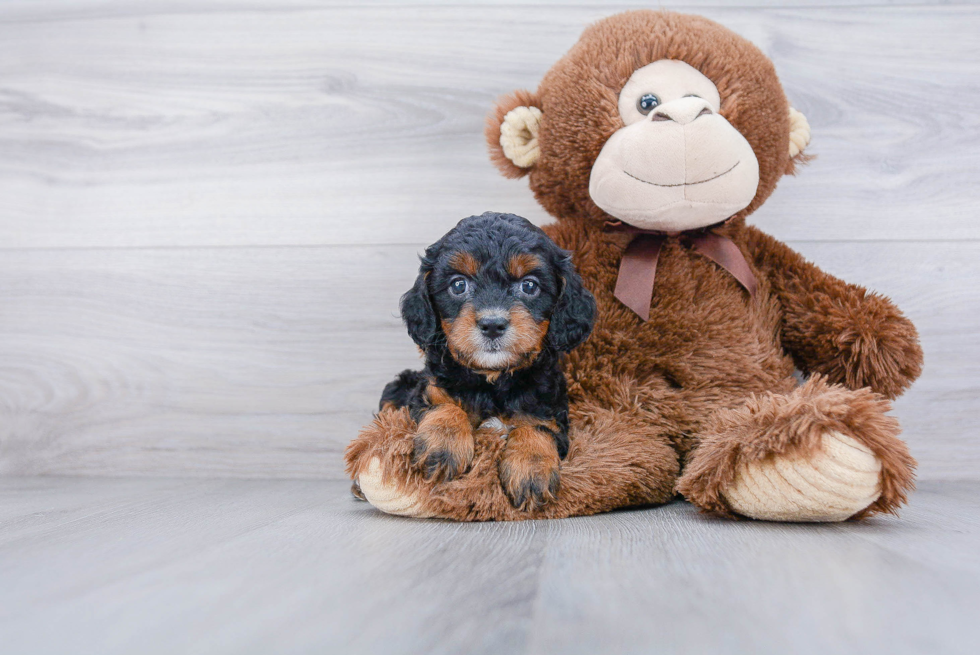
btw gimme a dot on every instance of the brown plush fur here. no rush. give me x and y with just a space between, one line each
614 461
579 99
784 424
708 380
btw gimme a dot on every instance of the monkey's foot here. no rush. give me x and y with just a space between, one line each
391 498
833 484
381 462
385 465
821 453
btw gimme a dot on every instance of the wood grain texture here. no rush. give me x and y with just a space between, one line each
159 124
266 361
208 210
236 566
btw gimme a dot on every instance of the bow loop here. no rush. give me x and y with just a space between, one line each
638 267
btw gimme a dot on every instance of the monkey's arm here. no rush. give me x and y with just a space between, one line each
616 459
852 336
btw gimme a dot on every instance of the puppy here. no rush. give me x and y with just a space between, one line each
495 304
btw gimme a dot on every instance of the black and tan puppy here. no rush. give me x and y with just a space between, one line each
495 304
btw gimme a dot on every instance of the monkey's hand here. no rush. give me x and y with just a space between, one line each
614 460
850 335
862 340
384 462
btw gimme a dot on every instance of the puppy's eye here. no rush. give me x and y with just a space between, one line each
647 103
530 287
457 286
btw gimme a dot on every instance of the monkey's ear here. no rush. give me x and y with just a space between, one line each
799 138
418 313
512 133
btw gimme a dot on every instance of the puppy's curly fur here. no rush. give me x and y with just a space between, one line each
495 304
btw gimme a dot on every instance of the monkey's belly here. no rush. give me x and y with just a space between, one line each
705 335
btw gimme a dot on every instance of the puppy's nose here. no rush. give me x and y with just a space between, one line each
493 326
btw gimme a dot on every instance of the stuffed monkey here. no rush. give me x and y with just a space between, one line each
650 143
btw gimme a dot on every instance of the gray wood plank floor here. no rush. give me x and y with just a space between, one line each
238 566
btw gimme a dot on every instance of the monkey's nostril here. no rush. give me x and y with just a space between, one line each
678 114
492 327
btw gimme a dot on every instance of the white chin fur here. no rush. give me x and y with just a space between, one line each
493 360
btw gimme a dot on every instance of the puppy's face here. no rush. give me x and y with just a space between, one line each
494 301
496 291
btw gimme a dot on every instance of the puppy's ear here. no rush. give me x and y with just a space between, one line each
574 315
418 313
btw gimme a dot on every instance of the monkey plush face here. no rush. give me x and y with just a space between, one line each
676 164
664 121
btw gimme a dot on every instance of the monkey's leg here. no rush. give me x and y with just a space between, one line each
615 460
819 453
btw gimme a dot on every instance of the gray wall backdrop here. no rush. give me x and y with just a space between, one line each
208 210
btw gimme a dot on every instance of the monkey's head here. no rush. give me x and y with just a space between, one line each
664 121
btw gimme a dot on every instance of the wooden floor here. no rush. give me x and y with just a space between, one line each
293 566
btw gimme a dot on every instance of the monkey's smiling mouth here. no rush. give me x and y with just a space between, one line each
685 183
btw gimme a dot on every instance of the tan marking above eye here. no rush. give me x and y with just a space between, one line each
464 262
522 264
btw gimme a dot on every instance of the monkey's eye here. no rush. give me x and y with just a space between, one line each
457 286
646 103
530 287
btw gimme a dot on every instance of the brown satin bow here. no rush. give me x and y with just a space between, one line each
638 267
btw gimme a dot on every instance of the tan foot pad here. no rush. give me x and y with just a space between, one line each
833 484
388 498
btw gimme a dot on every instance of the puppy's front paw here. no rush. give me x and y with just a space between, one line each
444 443
529 469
